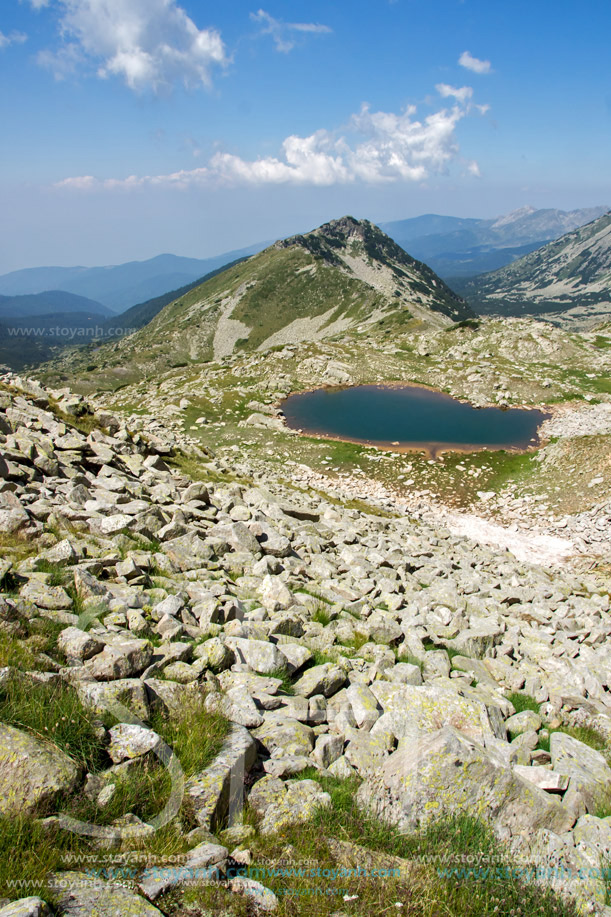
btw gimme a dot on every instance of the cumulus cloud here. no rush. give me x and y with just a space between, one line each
375 148
13 38
467 60
149 44
284 33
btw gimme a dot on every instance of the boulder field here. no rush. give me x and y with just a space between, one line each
445 676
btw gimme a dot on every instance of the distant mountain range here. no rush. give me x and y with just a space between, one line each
50 302
456 247
568 281
118 287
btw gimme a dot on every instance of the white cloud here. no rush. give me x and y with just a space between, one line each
13 38
38 4
376 147
283 32
150 44
467 60
461 95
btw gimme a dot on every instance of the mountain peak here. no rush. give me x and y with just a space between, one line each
343 278
514 216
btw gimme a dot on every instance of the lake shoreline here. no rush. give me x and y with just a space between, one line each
432 448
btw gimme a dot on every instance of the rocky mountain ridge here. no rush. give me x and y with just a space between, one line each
338 644
567 281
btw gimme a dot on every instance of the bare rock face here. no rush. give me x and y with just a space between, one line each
448 772
32 772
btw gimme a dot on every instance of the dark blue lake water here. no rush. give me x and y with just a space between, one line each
410 417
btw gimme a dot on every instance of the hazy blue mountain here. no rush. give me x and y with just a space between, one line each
51 302
456 247
120 286
30 340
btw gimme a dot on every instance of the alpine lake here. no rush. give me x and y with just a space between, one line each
406 418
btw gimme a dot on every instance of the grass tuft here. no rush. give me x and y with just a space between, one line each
53 711
523 702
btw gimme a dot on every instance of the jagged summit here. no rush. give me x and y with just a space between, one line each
346 277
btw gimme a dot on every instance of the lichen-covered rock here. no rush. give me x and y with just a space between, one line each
259 656
32 772
413 711
447 772
204 864
26 907
129 741
102 697
275 595
50 597
215 655
123 659
324 679
262 898
587 769
281 736
78 645
219 789
80 895
280 804
526 721
364 706
328 749
366 751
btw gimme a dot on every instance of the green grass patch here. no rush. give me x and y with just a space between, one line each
143 790
56 575
586 734
355 642
321 615
455 866
287 683
523 702
53 712
195 735
319 658
28 853
14 652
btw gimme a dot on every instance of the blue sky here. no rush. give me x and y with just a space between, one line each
134 127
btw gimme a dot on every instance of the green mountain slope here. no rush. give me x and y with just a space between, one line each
567 281
344 277
142 313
